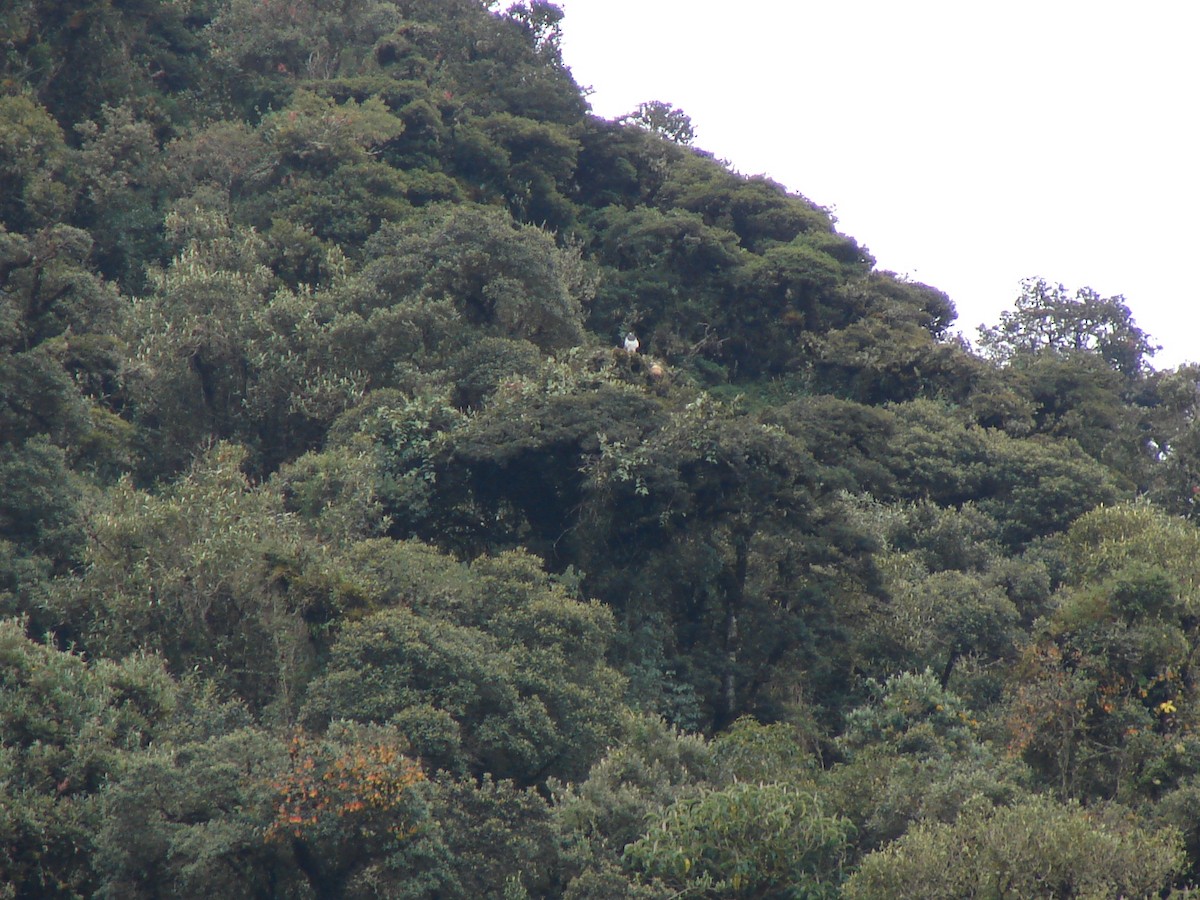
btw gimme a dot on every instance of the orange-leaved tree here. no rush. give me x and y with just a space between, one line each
348 804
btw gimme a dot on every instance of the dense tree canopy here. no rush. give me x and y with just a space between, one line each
347 551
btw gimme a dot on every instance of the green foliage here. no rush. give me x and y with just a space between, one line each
1082 398
194 333
914 752
759 211
941 617
670 269
351 806
1045 318
745 840
202 574
874 362
314 409
402 437
314 133
38 512
1035 848
57 320
647 769
260 51
499 62
661 118
498 672
246 811
619 165
717 510
337 492
749 751
541 20
1105 697
76 62
848 440
507 279
120 169
489 364
1034 488
229 157
1107 540
528 164
67 728
33 156
500 839
58 364
912 714
1168 448
192 813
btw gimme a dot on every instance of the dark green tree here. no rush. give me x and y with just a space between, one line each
501 277
664 119
916 752
34 160
69 727
712 522
1046 318
493 669
1104 697
211 574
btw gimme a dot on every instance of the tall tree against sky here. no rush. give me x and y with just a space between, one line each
1047 318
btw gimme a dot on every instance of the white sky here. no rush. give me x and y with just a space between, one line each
966 145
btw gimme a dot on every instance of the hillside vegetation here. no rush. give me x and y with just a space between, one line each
346 552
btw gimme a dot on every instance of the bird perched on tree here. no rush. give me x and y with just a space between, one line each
631 342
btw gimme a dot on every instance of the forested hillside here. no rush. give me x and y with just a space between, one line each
346 552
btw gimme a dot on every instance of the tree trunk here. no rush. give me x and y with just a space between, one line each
949 668
734 589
